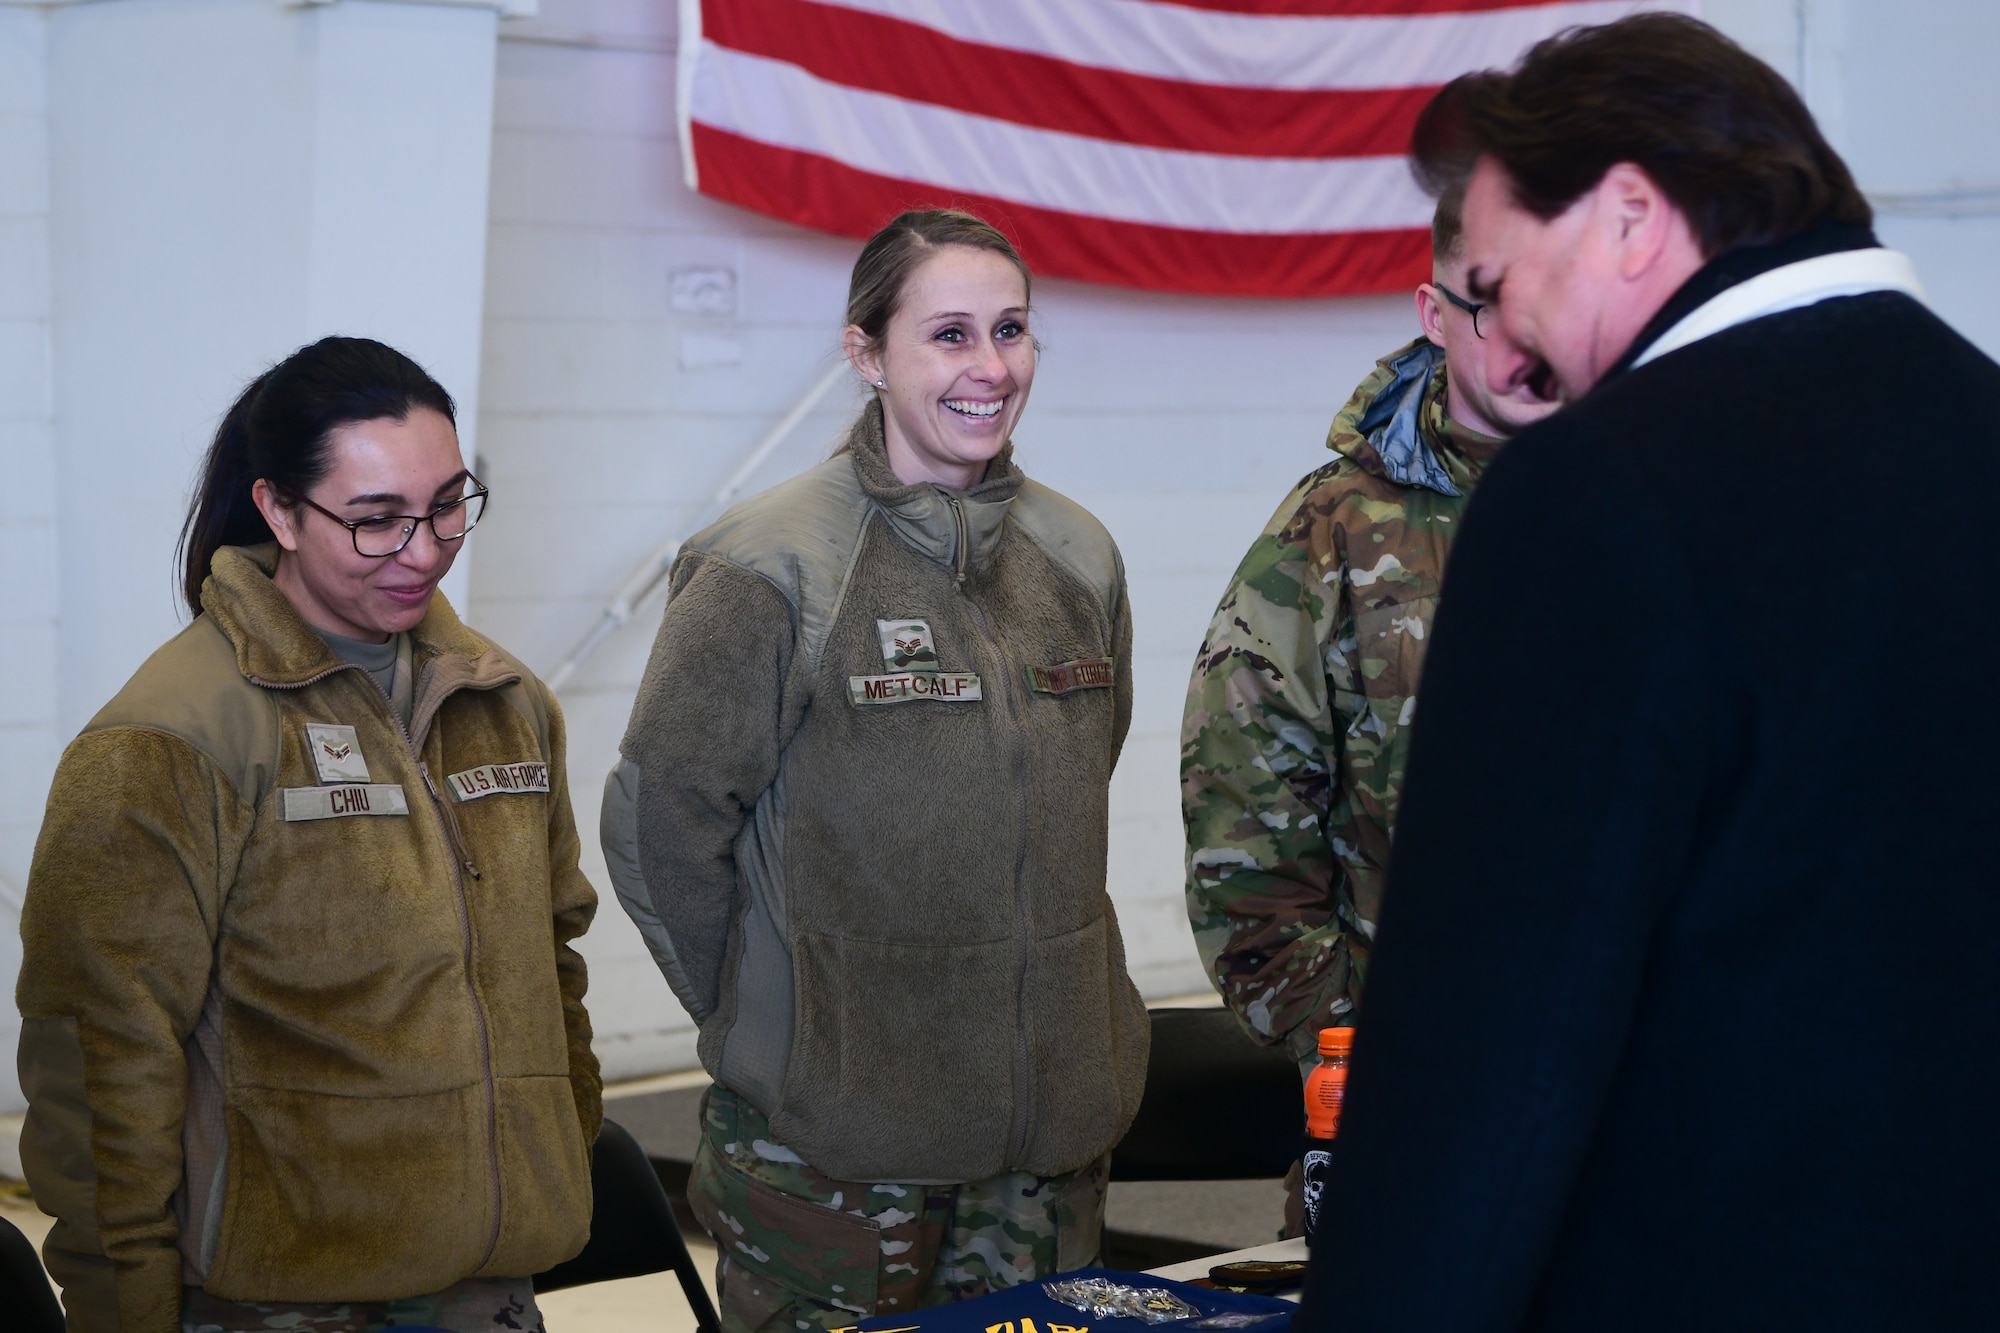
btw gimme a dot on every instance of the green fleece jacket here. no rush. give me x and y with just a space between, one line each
861 819
301 1016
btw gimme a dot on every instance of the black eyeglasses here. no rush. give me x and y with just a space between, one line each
1472 308
383 535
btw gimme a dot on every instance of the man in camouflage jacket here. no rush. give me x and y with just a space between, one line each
1298 716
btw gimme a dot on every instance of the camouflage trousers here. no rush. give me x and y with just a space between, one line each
476 1305
802 1251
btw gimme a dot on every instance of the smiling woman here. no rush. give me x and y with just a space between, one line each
285 1065
941 331
860 819
375 579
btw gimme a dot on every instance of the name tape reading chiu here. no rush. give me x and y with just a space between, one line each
904 686
376 798
1090 673
488 779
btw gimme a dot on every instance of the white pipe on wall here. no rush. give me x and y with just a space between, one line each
652 571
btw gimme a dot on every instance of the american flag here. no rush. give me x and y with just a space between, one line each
1233 147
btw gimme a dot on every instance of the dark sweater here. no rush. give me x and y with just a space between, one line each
1686 1005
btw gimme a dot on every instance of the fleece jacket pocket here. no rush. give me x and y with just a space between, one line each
326 1194
906 1040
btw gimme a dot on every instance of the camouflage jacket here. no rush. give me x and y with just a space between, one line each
1296 730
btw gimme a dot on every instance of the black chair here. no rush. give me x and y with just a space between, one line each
25 1293
1217 1105
632 1229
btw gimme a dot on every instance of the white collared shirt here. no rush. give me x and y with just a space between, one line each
1808 282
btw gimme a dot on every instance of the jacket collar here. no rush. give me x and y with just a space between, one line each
1396 426
276 647
1740 265
927 516
1793 287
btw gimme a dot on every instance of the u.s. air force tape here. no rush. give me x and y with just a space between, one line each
905 686
488 779
1090 673
377 798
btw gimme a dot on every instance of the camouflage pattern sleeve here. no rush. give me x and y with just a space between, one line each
1261 746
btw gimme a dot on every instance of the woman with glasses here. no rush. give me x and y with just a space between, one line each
303 1030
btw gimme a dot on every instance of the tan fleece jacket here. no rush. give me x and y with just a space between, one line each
330 958
862 812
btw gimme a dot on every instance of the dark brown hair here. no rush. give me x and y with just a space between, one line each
1448 224
893 253
280 430
1719 131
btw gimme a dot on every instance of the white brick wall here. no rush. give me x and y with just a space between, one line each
29 742
1903 92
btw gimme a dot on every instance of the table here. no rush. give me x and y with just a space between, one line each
1278 1251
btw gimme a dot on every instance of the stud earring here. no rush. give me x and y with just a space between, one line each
881 384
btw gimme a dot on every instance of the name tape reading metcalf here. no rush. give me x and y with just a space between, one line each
905 686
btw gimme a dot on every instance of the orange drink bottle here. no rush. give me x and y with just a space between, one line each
1326 1088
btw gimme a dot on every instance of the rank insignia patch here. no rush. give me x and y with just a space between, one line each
336 753
907 645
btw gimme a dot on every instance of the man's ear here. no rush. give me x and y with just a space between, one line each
1429 316
281 516
1644 224
863 353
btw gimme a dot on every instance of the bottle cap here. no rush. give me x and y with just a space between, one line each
1336 1041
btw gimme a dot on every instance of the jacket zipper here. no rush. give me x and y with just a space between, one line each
1017 1139
479 1017
958 555
450 817
448 821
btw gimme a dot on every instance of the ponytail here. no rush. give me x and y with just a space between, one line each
223 514
280 430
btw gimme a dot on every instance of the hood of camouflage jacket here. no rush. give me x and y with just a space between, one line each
1396 426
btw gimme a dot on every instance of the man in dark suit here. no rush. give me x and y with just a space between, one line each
1686 1007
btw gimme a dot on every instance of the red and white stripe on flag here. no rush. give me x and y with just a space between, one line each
1231 147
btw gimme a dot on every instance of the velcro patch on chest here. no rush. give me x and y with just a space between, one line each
907 645
336 753
1089 673
960 687
488 779
377 798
